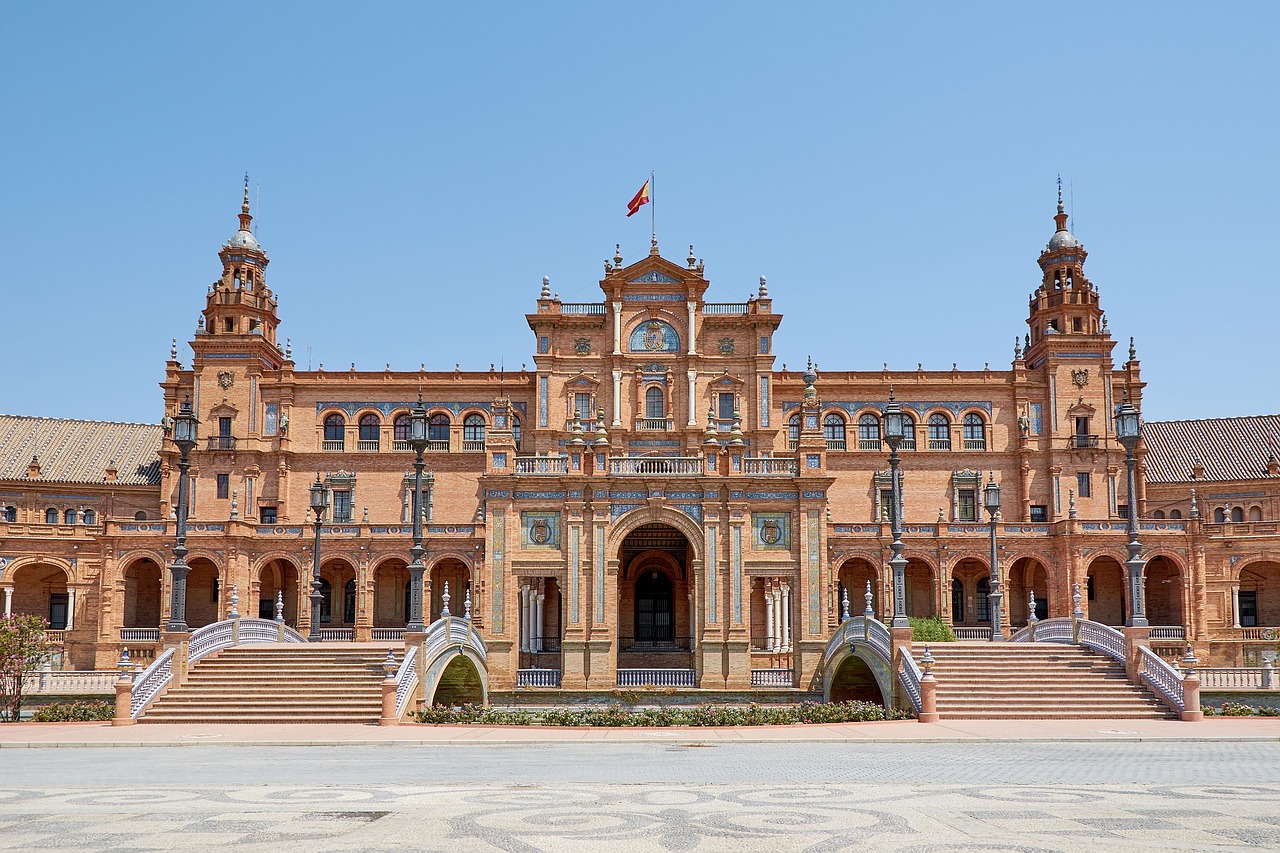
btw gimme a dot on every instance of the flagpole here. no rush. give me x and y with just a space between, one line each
653 210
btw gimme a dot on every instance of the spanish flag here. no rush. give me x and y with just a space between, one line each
641 197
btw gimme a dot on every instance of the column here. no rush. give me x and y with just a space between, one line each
768 617
71 609
524 612
617 397
693 391
692 306
8 601
617 328
1235 605
786 616
539 601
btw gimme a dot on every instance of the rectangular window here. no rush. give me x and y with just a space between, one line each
764 346
267 515
224 486
582 405
1122 510
1084 485
544 345
1039 512
1076 324
1248 609
1089 587
886 504
725 406
341 505
1037 418
968 505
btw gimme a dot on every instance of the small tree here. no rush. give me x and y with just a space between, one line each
23 648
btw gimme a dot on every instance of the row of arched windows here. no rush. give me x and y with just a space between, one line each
869 432
369 431
52 516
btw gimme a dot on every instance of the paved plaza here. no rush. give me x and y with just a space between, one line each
655 791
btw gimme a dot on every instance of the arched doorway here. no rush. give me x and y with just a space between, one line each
1162 591
854 681
1026 576
391 594
278 576
338 588
41 590
654 607
203 593
920 600
970 586
453 571
1104 592
855 574
142 597
1260 594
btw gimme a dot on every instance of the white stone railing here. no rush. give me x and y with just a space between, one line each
646 465
1107 640
1056 630
713 309
1162 678
967 633
367 445
340 635
587 308
406 680
209 639
773 677
438 445
139 635
379 635
542 464
1262 633
451 631
909 677
1238 678
537 678
69 682
657 678
770 465
473 445
147 686
871 633
1168 632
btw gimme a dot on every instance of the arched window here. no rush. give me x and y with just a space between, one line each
326 601
984 600
654 404
515 430
939 432
1219 515
11 514
349 602
1175 513
90 517
400 428
975 432
1237 514
473 432
335 429
908 433
438 431
370 426
957 601
1158 515
69 517
833 431
793 431
139 516
868 432
50 516
1255 513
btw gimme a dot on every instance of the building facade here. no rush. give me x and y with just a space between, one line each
656 493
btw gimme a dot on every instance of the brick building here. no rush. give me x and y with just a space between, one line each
656 493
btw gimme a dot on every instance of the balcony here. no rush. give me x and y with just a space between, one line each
542 465
366 446
657 678
438 445
381 635
1084 442
537 678
401 445
773 677
832 444
907 444
713 309
336 446
869 444
473 445
647 465
770 466
654 424
221 442
939 444
139 635
975 444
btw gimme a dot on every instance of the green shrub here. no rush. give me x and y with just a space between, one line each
1239 709
931 630
616 716
74 712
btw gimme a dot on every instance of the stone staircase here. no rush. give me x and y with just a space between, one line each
279 683
1034 681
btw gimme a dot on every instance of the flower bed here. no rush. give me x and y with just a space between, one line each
616 716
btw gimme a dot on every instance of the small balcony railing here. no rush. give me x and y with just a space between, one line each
542 465
537 678
473 445
654 424
773 677
964 632
711 309
832 444
438 445
975 444
907 444
939 444
657 678
587 308
1168 632
221 442
644 465
341 635
401 445
139 635
56 636
336 446
793 443
655 644
1084 441
366 446
770 466
868 444
385 634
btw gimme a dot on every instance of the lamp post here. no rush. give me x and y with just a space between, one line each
418 441
894 434
1128 431
319 503
184 435
991 500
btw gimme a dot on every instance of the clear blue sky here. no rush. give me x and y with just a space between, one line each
890 168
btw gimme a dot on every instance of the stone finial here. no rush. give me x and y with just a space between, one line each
173 349
844 604
235 603
602 435
927 662
546 288
1133 351
1195 508
1031 607
867 596
200 324
125 665
709 434
1071 503
466 604
1189 661
1017 348
364 519
389 665
235 507
617 254
764 288
1076 598
735 432
692 259
279 605
444 599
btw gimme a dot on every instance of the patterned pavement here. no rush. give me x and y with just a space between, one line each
647 797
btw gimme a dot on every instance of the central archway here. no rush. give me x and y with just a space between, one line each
655 598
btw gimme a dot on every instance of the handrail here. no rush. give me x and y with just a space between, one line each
1238 677
406 680
149 684
1102 638
452 631
1163 678
1093 635
870 632
909 677
1055 630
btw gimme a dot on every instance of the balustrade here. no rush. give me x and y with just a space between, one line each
367 446
587 308
139 635
657 678
975 444
967 633
1162 677
773 677
341 635
379 635
713 309
1168 632
473 445
335 446
69 682
654 424
220 442
537 678
542 464
832 444
646 465
770 465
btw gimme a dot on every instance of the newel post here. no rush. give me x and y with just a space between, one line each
389 691
928 690
1191 712
124 693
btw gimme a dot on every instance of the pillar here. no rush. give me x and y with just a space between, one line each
1235 605
524 612
786 616
71 609
539 602
693 307
617 395
8 601
770 637
617 340
693 391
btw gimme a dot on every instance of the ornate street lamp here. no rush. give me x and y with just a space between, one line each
1129 431
418 441
991 500
184 436
894 435
319 503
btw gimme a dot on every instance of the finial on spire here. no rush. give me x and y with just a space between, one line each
692 259
244 205
546 288
1133 351
173 349
764 288
1060 209
617 254
1017 348
288 347
653 243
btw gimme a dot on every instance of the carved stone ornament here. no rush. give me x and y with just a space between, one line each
726 346
1080 377
655 337
226 378
771 532
539 532
582 346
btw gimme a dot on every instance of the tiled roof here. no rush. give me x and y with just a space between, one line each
1228 448
73 451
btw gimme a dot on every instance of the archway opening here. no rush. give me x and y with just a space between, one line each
278 576
920 600
454 572
970 586
1104 592
203 593
854 681
654 606
1260 594
391 594
142 596
460 684
855 574
41 590
1162 592
338 587
1027 576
